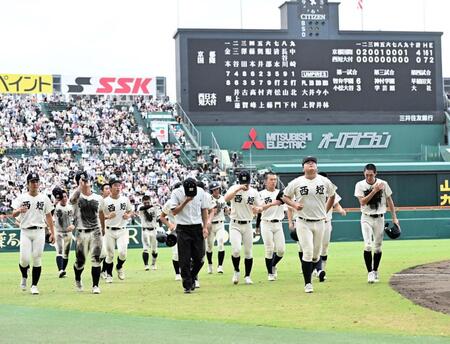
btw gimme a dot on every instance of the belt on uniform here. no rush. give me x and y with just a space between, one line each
273 221
216 222
114 228
34 227
309 220
242 222
87 230
376 215
147 228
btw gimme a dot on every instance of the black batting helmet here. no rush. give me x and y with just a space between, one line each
392 232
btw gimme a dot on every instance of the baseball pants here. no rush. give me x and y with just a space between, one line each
116 237
310 236
273 238
241 234
32 242
217 233
326 238
62 244
149 241
88 244
372 231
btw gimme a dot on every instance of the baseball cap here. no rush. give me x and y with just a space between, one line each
244 177
81 175
309 158
190 187
32 176
114 180
214 185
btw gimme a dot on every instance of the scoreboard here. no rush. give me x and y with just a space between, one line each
309 72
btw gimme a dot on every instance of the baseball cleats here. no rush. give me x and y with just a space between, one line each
197 284
147 268
210 268
62 274
270 277
96 290
371 277
34 290
103 274
187 291
248 280
275 272
79 286
109 279
177 277
121 274
322 275
220 269
309 288
376 277
23 284
235 278
154 267
314 273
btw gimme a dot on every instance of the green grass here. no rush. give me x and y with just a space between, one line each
345 306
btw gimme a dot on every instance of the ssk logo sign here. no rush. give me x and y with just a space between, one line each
108 85
253 141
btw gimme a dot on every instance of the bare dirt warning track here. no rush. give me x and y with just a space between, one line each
426 285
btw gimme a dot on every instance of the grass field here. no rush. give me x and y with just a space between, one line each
150 306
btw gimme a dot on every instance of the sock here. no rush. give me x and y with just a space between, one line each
376 260
95 272
248 266
36 274
119 263
318 265
24 271
65 262
59 263
236 261
209 257
77 273
269 265
307 271
145 257
276 259
300 256
324 261
154 255
221 256
109 268
105 265
176 266
368 260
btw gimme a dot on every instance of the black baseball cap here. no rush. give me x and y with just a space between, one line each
244 177
81 175
114 180
190 187
32 176
309 158
214 185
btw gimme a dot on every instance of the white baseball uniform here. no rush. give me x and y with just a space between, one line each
149 223
272 225
372 214
328 228
167 209
63 218
217 231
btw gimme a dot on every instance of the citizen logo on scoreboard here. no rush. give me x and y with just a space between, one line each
313 16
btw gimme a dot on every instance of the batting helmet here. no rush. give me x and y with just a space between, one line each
171 239
392 232
161 237
214 185
294 235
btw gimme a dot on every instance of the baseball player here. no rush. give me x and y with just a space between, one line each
118 210
149 215
243 199
105 192
271 220
310 192
34 212
89 224
217 231
63 218
374 195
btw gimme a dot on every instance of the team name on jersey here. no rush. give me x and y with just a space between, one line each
112 207
320 190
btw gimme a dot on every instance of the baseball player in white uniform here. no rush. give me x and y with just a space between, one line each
271 220
374 196
168 219
217 230
63 218
118 210
243 199
310 192
105 192
34 212
149 215
89 224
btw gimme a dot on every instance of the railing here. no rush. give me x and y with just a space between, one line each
191 129
217 151
184 158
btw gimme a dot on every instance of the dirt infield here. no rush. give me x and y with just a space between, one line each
425 285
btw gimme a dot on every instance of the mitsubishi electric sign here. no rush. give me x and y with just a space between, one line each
328 140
